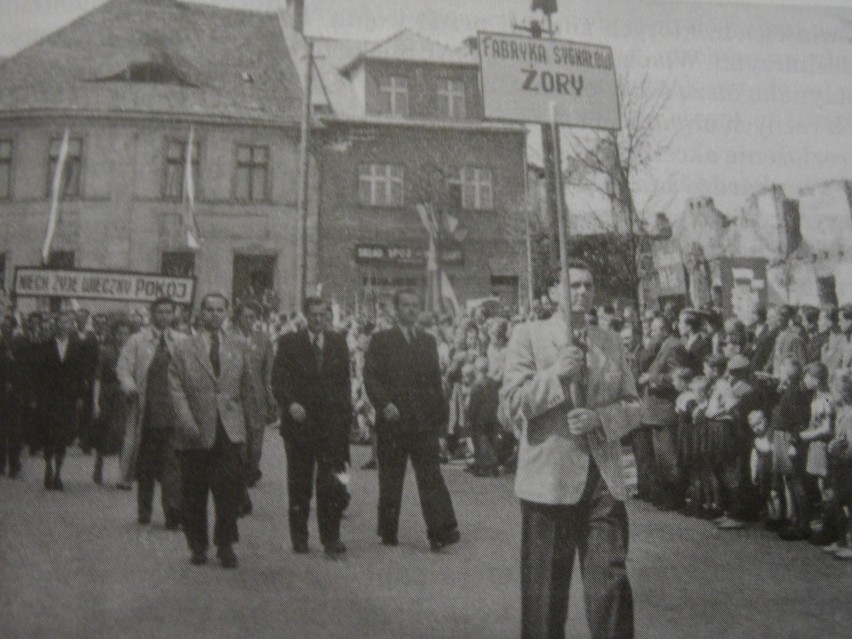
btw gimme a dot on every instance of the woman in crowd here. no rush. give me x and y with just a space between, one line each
110 406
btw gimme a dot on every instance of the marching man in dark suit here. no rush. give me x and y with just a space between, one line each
63 388
403 382
310 380
210 386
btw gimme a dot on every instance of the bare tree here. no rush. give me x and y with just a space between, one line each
607 161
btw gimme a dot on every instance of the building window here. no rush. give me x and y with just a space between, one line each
380 185
61 259
451 99
70 182
178 264
176 167
5 169
393 91
476 189
252 173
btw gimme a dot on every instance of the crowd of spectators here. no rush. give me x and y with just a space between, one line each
739 424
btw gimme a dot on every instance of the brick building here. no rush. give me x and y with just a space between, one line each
400 123
128 80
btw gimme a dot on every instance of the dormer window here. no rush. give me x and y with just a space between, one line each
451 99
154 71
393 92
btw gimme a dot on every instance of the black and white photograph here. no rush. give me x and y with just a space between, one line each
426 319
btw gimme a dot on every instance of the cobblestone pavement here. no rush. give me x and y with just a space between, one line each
77 564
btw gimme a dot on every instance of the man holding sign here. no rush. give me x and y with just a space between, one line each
569 476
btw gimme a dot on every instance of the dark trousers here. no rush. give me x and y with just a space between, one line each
393 452
304 464
596 527
10 437
216 471
667 470
642 442
158 462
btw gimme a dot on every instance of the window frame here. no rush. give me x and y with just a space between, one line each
386 181
179 254
180 165
446 97
251 166
6 189
53 160
394 87
478 185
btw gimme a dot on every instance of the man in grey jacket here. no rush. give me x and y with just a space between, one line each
569 476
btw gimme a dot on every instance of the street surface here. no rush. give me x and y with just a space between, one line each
77 564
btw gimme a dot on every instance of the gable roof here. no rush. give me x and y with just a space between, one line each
205 61
409 46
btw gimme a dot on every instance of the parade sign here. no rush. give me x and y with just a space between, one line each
102 285
523 76
378 254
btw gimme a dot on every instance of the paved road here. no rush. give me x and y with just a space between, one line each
77 565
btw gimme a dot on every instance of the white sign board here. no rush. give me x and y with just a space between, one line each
522 76
102 285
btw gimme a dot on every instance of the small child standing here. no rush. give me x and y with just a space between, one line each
761 463
821 428
839 498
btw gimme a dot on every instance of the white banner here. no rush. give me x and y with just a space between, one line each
102 285
522 76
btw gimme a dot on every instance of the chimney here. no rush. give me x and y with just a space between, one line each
296 11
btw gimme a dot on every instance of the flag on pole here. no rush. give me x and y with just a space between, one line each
192 235
449 293
57 187
427 217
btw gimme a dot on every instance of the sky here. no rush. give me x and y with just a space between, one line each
760 92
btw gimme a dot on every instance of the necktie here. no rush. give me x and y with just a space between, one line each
318 351
214 353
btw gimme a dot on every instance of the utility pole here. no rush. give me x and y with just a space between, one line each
304 164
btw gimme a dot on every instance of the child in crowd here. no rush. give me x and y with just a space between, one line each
691 393
714 370
761 464
839 498
482 420
789 416
821 428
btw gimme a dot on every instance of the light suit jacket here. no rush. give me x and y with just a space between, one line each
201 398
259 354
553 464
132 370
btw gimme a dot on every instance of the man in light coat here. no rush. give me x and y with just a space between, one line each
262 407
160 462
569 476
211 388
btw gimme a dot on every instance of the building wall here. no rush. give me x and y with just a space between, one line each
826 216
422 87
495 242
122 220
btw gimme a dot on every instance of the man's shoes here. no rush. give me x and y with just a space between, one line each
14 471
227 557
144 519
370 465
730 524
439 543
57 483
844 554
199 558
831 548
301 548
124 486
172 522
793 534
334 549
